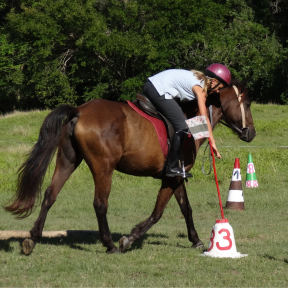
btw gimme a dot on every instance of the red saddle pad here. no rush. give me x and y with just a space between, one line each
158 125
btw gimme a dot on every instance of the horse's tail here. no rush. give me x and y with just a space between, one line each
31 173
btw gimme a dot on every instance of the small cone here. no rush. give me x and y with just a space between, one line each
222 241
235 200
251 179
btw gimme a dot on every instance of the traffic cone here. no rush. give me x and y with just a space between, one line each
235 200
251 179
222 241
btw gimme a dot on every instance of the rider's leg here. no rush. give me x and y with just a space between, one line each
172 111
172 166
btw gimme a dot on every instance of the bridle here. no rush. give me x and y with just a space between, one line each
244 131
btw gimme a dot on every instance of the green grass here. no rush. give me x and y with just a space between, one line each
163 257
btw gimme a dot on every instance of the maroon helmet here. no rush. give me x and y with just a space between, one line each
219 72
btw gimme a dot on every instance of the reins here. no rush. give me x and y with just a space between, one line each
210 162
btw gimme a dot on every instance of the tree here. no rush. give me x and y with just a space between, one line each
77 50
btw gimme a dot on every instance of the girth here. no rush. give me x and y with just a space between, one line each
143 103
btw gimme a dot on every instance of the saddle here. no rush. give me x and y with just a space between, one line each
143 103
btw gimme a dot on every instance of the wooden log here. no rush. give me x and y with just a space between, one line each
7 234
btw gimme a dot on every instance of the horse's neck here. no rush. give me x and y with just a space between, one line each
216 116
191 110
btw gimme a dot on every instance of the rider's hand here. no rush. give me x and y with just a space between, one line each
215 150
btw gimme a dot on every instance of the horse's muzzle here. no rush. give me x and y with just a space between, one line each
247 135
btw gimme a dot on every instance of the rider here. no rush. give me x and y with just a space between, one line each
185 85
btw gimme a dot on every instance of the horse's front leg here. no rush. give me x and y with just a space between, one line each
169 185
183 201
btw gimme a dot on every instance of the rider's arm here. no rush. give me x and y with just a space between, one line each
201 99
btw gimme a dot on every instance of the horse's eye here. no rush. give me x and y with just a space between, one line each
248 104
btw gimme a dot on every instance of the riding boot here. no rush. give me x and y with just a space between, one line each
172 166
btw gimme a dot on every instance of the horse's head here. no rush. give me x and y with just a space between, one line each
234 108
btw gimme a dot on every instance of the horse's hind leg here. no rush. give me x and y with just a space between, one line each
169 185
182 199
67 161
103 182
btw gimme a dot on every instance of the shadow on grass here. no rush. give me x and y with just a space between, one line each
76 237
270 257
181 235
5 246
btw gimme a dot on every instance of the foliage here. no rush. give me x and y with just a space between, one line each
10 75
74 51
272 14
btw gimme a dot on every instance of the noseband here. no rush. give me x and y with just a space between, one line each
244 131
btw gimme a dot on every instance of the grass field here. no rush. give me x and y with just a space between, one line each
163 257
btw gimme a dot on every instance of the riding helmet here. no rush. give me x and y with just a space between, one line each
219 72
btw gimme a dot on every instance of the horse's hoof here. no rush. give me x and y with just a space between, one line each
198 245
28 246
124 243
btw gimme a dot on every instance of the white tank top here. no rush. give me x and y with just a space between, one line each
176 83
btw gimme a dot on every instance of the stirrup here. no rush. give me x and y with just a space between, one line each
177 172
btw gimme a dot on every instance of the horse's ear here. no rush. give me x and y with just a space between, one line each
213 99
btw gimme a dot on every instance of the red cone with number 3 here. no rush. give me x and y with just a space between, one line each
222 241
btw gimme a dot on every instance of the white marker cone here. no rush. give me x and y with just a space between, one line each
222 241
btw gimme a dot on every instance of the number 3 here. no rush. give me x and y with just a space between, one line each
227 237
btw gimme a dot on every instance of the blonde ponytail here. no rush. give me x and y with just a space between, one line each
205 79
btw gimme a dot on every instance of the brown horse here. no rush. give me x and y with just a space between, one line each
108 136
